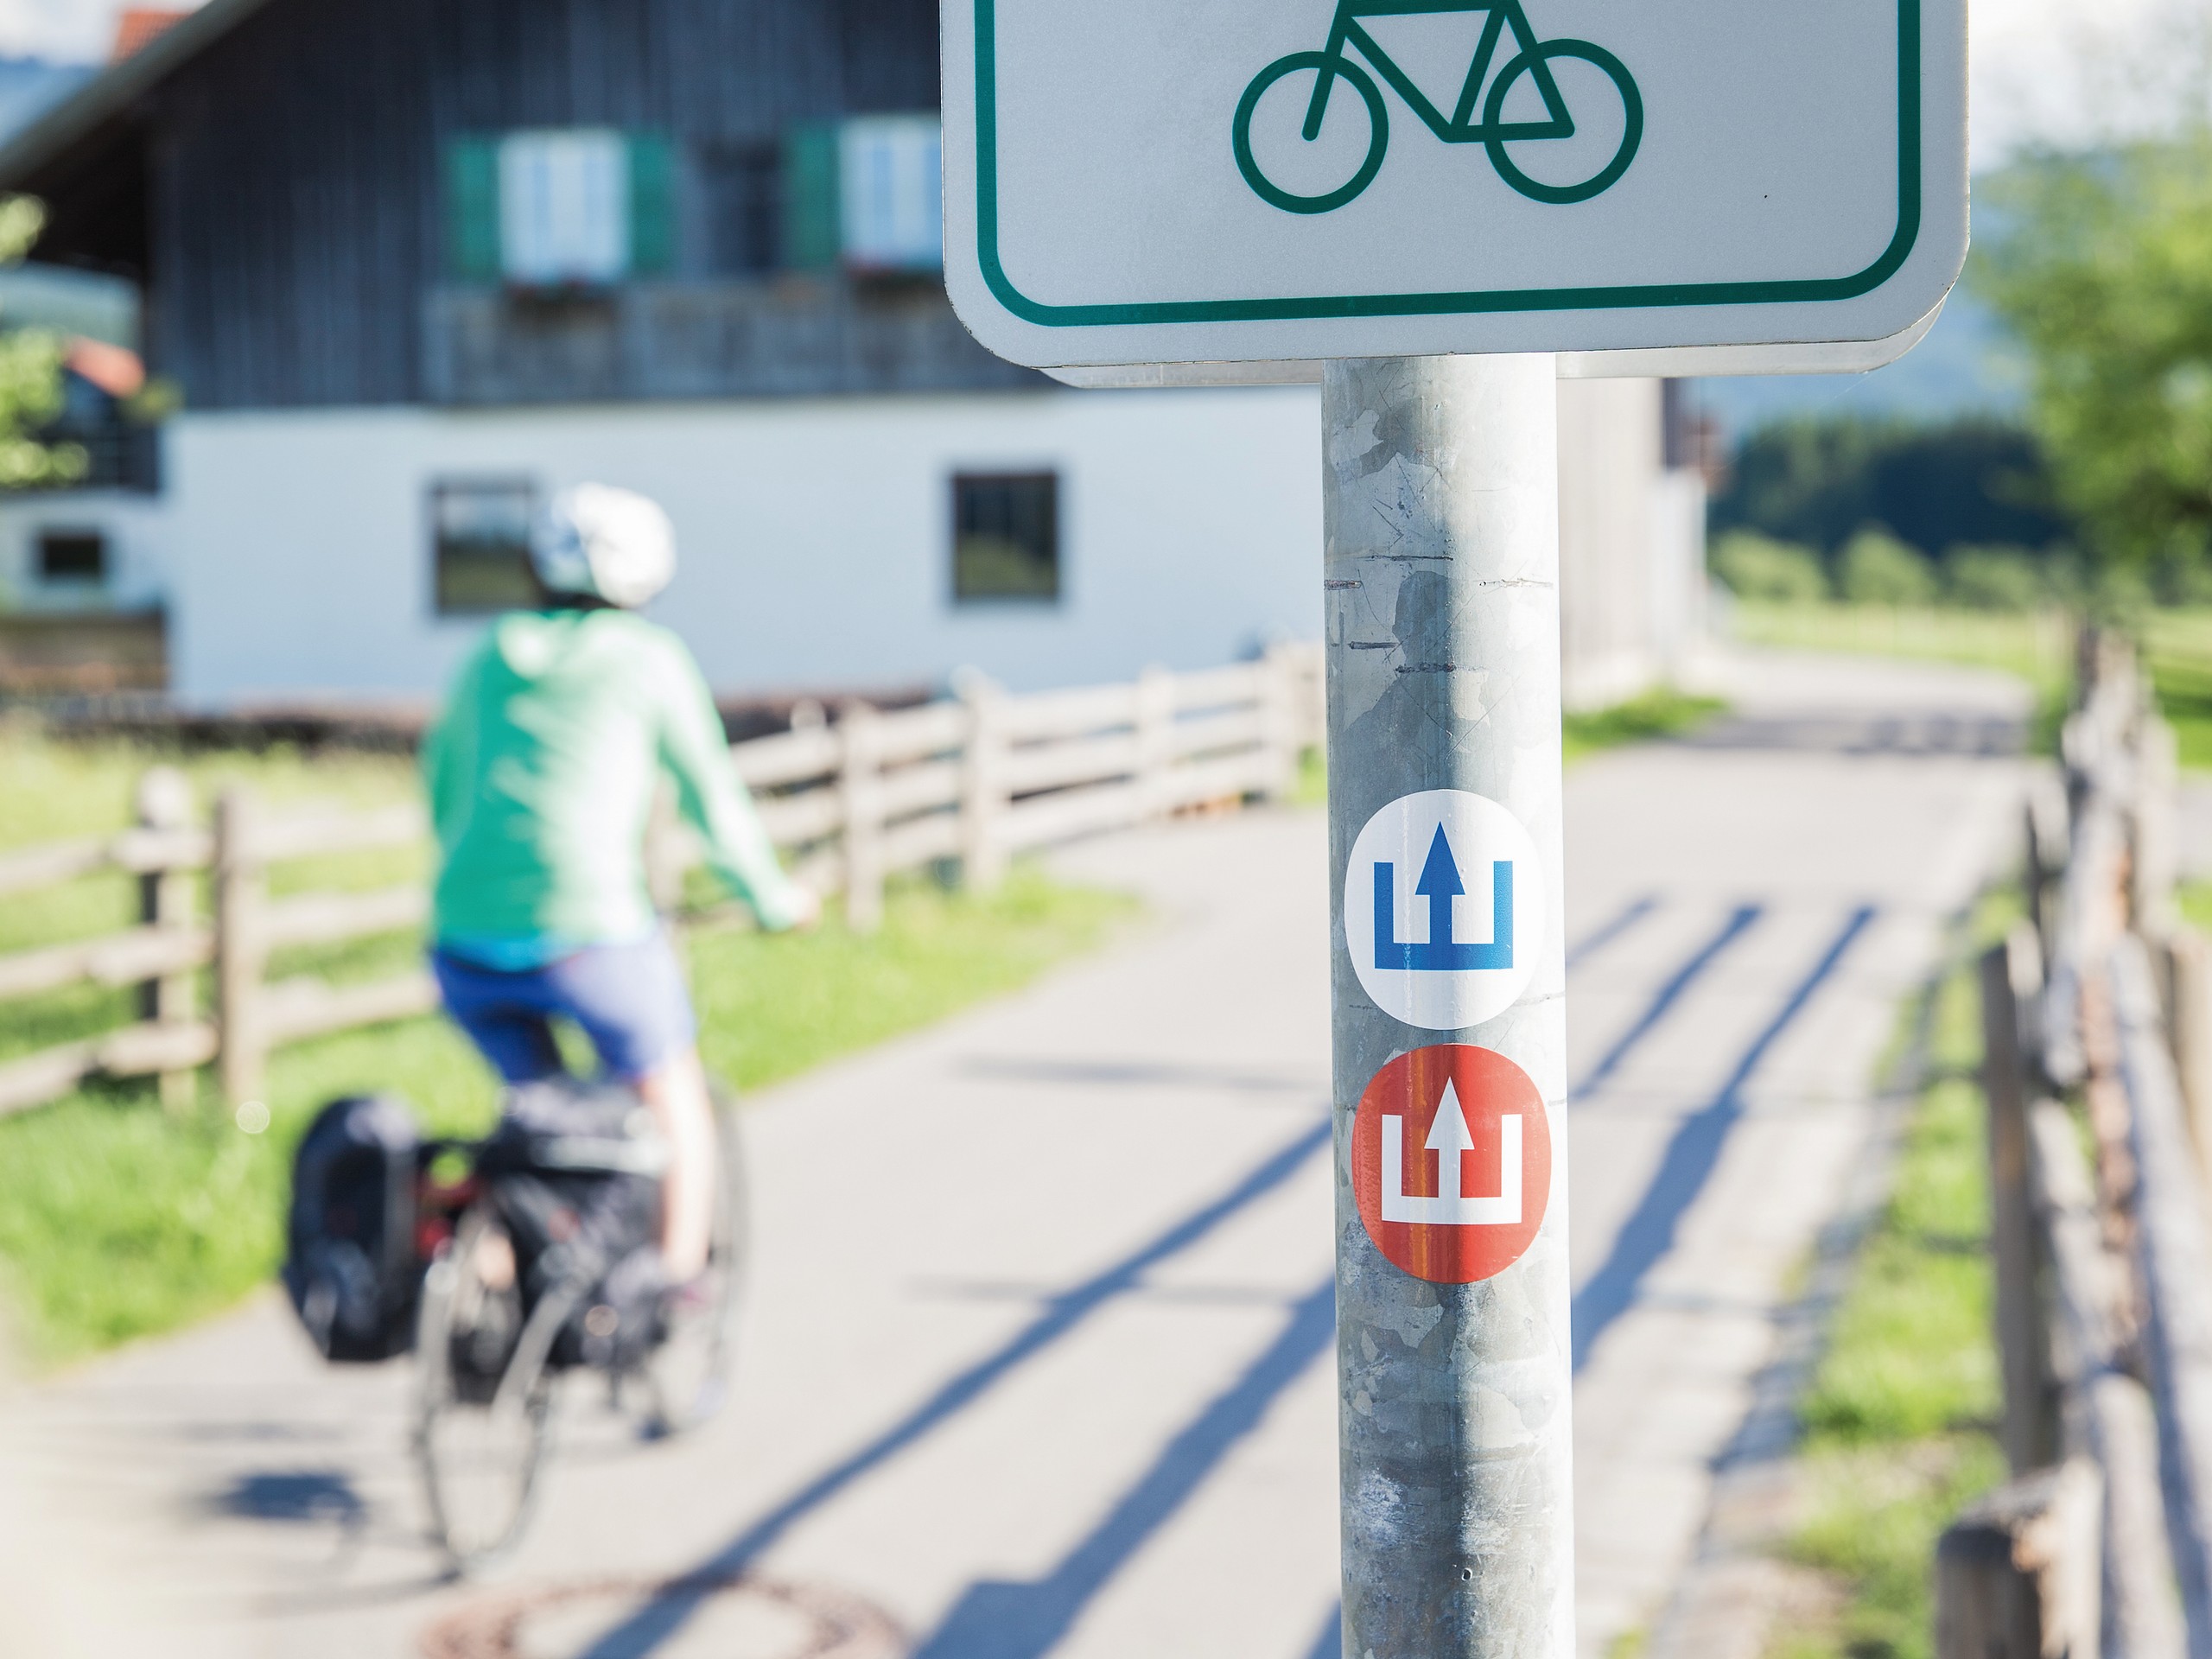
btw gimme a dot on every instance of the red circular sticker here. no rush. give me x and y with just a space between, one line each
1452 1163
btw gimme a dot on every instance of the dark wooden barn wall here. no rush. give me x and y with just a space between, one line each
295 165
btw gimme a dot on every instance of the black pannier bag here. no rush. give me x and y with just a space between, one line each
574 1171
351 1265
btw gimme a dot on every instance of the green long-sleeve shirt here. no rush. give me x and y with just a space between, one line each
541 773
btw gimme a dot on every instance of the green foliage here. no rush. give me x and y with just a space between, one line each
1817 480
1758 567
2001 579
1877 568
119 1219
30 375
2102 269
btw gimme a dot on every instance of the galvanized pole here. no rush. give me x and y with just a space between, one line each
1441 537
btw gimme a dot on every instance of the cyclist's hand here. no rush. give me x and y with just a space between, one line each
806 910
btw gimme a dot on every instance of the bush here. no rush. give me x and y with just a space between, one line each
1997 579
1758 567
1877 568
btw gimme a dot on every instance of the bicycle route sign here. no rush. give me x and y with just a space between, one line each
1221 181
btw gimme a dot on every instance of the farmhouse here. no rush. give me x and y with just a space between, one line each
409 265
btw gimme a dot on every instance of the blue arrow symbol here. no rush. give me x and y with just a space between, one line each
1440 884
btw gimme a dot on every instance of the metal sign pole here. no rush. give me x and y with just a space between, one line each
1441 537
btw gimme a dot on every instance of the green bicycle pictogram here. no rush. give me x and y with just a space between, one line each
1534 59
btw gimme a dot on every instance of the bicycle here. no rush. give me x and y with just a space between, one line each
1534 58
496 1330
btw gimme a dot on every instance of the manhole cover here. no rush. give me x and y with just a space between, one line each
738 1617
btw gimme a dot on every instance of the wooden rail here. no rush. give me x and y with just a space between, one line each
968 783
2097 1018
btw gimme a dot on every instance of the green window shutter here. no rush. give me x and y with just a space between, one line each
473 209
652 205
812 239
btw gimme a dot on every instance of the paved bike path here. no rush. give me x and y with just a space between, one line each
1038 1362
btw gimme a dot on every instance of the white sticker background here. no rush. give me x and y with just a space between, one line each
1397 886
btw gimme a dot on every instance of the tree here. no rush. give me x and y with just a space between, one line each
2102 269
1877 568
1816 480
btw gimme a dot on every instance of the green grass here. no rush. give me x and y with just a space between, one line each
2037 647
1663 712
119 1219
1898 1420
2178 644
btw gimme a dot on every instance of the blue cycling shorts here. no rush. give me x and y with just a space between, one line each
630 1000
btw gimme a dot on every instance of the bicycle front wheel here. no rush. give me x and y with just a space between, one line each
485 1401
1299 164
1604 120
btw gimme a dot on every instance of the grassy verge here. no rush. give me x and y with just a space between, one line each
1663 712
119 1219
2178 644
1897 1423
2037 647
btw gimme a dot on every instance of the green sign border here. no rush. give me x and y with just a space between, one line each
1414 305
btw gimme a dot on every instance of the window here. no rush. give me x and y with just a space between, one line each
743 186
72 556
866 193
1006 536
565 207
479 536
891 193
560 207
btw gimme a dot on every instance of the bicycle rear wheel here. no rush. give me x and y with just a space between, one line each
484 1408
1580 164
686 1376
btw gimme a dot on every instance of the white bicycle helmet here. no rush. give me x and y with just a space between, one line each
606 543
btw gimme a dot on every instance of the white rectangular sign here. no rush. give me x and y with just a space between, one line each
1221 181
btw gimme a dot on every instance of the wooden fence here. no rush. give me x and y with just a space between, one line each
963 785
2097 1013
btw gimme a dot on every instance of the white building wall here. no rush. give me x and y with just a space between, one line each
139 529
814 536
292 548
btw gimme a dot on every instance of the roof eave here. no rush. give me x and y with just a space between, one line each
114 90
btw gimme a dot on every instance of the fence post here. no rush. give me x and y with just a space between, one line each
1155 726
859 782
240 954
166 900
1278 722
982 785
2010 975
2188 973
2017 1576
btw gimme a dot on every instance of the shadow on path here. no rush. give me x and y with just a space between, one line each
1027 1620
995 1620
1691 1157
1589 944
661 1618
1734 928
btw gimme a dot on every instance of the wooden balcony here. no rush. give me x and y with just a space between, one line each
790 336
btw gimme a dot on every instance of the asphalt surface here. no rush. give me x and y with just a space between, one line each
1037 1361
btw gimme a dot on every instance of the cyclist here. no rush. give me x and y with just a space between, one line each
541 771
